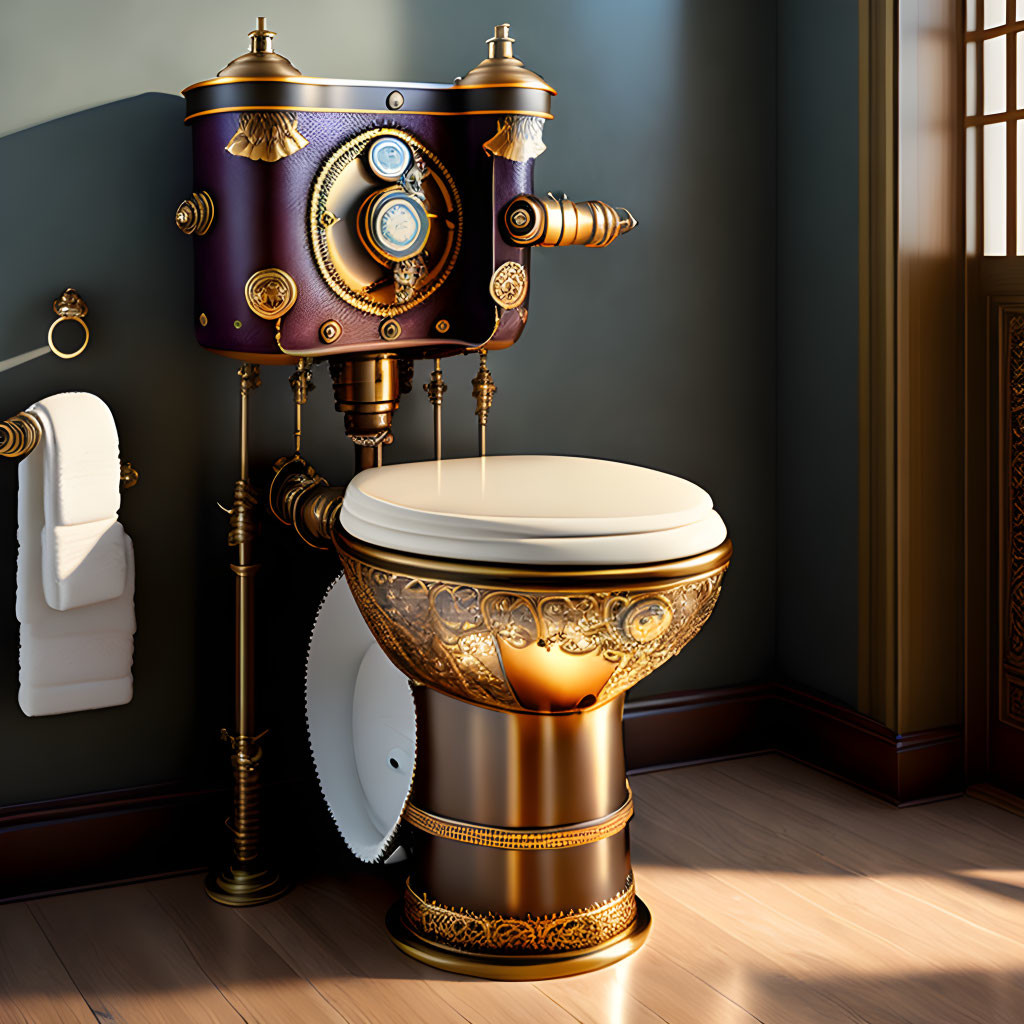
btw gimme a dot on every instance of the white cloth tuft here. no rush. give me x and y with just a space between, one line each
76 568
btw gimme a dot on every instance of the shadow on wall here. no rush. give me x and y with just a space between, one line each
88 204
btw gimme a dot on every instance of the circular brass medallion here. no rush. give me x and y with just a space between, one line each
508 285
442 326
647 619
270 293
351 270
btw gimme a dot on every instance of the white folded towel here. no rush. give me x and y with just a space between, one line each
76 575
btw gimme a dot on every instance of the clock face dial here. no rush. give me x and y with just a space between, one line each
384 248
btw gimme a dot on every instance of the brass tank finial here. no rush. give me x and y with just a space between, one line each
502 67
500 44
261 60
261 39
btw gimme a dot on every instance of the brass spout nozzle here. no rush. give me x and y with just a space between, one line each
530 220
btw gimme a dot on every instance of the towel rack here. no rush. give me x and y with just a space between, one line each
21 433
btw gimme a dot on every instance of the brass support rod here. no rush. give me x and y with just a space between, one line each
241 535
435 389
302 383
247 879
484 389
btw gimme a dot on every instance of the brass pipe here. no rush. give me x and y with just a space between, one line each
435 389
366 390
484 390
247 879
299 497
530 220
302 383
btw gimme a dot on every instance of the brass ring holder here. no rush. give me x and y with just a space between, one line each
562 838
70 306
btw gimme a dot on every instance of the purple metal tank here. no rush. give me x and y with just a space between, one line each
333 217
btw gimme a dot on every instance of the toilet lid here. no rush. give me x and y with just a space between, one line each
532 509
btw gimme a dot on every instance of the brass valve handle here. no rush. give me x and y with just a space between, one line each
530 220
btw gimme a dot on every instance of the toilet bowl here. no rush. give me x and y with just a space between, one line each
523 596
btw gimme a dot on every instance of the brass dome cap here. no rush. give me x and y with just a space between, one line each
501 67
261 61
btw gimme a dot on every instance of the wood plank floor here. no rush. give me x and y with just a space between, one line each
779 896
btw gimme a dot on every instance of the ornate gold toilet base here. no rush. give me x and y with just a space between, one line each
520 807
533 897
515 966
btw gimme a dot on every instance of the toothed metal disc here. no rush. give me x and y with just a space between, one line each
361 722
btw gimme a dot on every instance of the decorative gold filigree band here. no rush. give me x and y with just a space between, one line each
521 838
555 933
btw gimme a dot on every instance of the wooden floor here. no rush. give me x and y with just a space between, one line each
779 895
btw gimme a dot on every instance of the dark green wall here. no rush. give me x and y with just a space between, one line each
660 350
818 345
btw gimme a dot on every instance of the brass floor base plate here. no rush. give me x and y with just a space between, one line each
237 887
518 968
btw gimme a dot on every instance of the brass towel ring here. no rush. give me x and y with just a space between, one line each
70 306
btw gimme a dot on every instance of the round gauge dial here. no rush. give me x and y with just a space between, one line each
389 157
384 251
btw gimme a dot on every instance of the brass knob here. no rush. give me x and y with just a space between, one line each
129 476
530 220
195 215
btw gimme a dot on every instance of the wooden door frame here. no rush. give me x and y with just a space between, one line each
911 592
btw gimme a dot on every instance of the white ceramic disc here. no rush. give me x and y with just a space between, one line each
361 722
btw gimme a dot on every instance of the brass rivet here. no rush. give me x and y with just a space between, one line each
330 331
203 320
390 329
520 218
238 325
442 326
395 100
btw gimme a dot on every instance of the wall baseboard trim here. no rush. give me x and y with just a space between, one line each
99 838
706 725
150 832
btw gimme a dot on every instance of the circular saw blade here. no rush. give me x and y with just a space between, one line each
361 724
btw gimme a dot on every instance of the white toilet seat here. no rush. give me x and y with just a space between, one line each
532 509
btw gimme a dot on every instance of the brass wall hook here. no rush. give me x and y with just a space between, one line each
69 306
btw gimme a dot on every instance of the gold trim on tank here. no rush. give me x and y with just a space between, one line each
363 110
306 80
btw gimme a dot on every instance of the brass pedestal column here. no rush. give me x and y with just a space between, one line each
521 865
247 879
